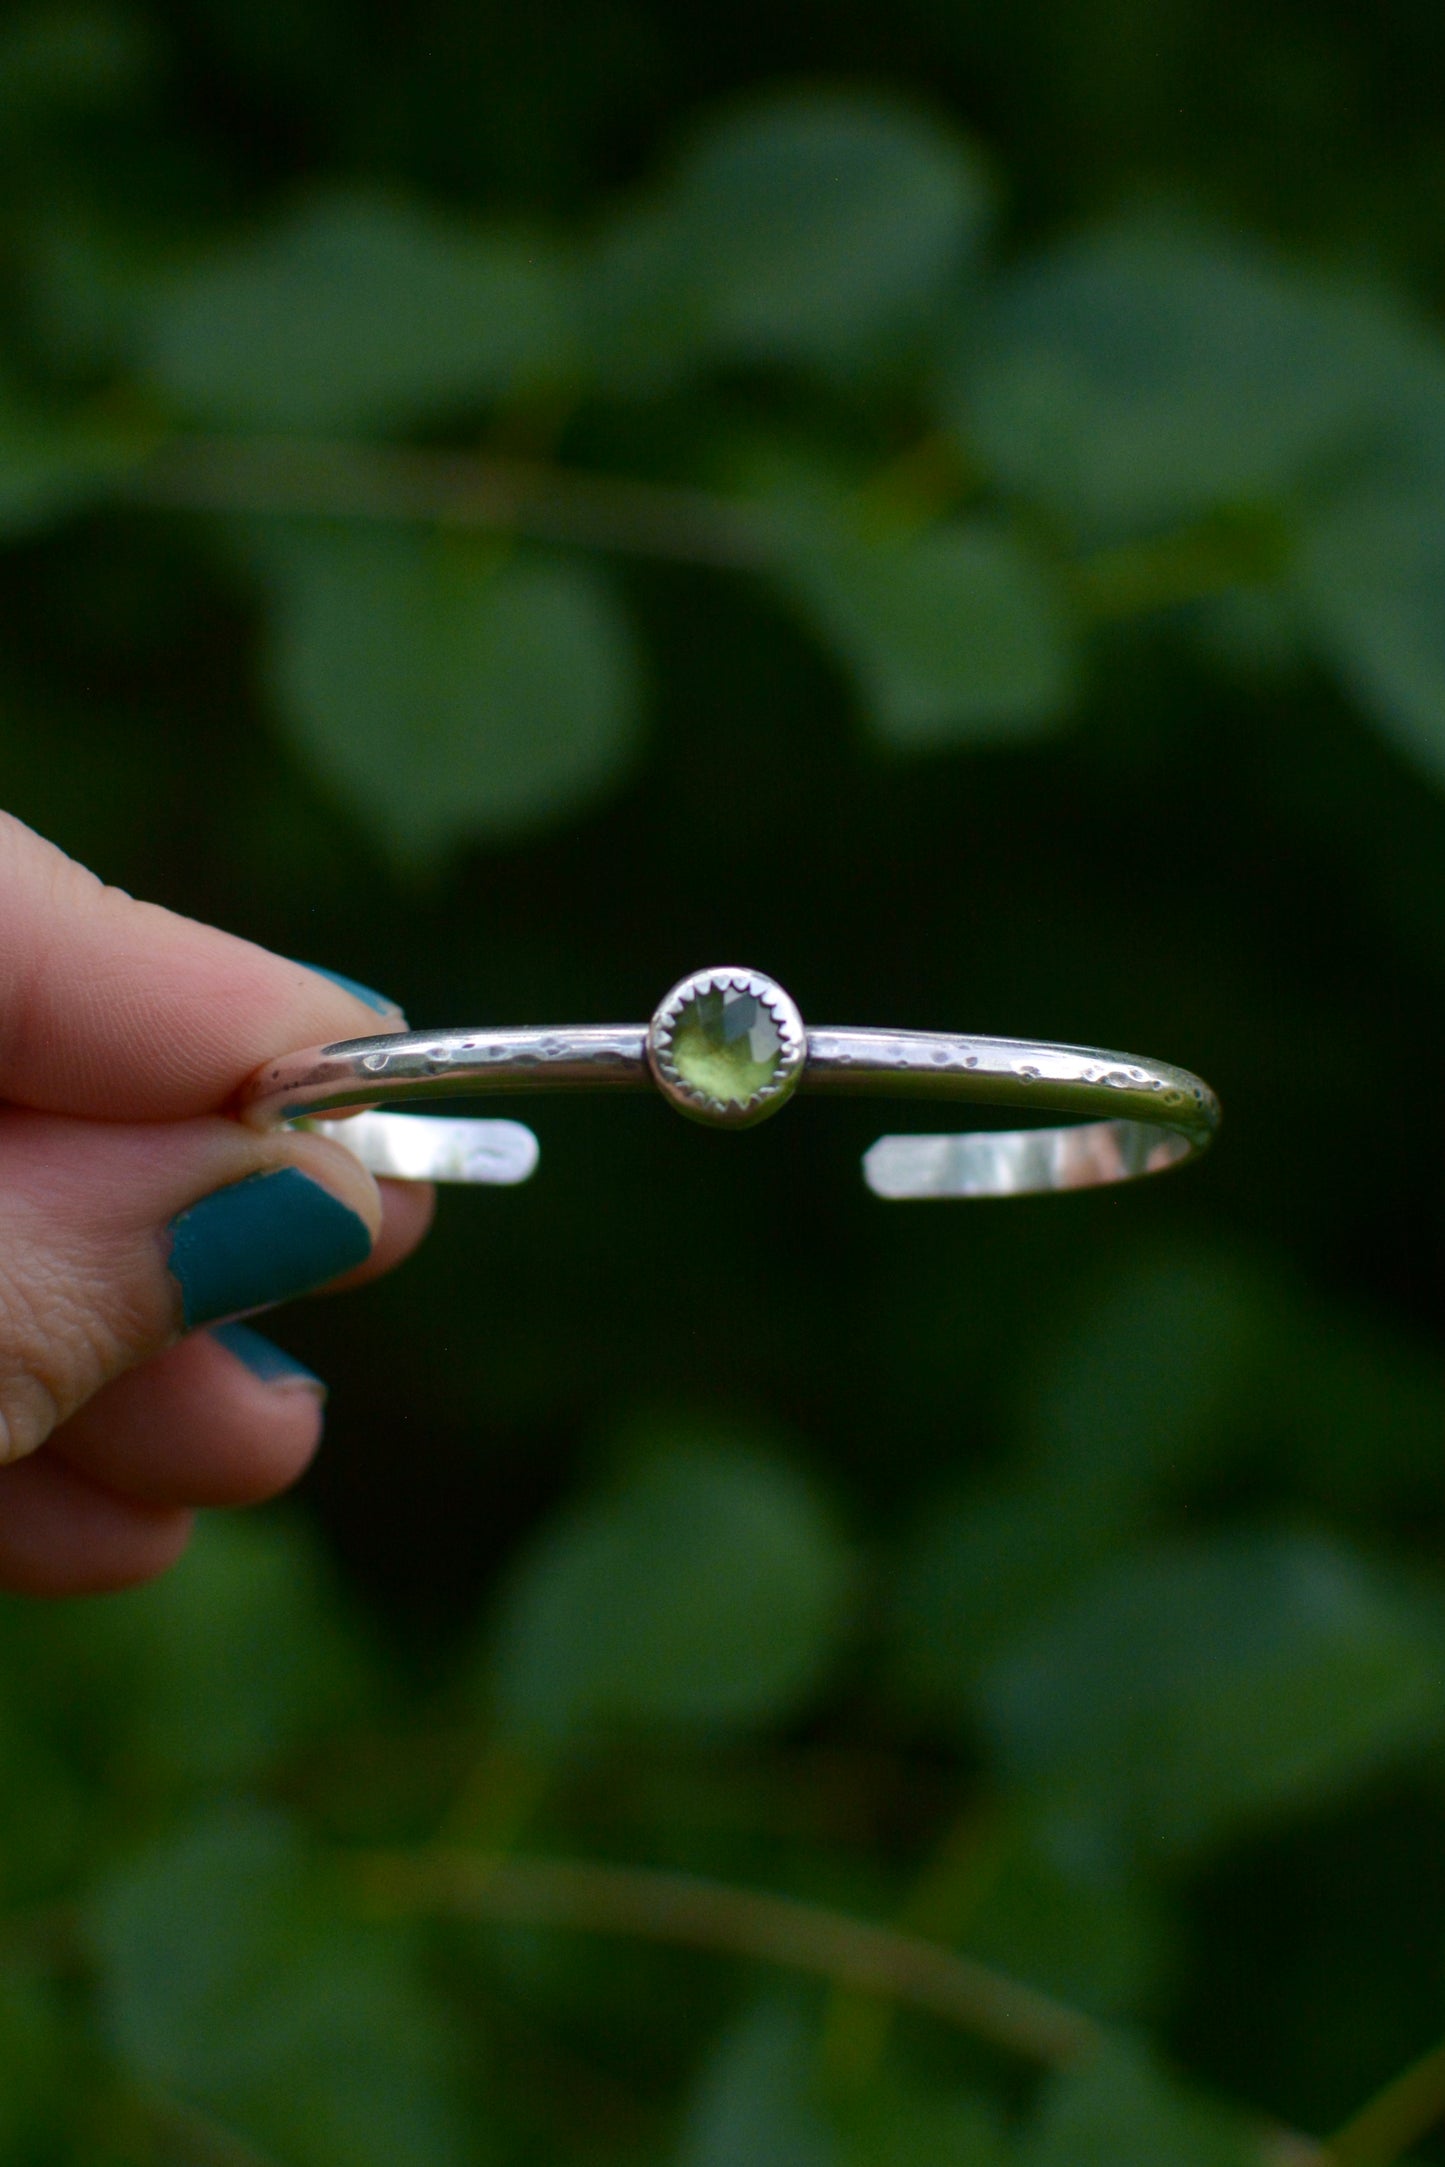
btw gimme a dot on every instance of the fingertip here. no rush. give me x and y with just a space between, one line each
62 1534
225 1418
382 1003
338 1170
94 982
308 1219
263 1428
269 1364
407 1211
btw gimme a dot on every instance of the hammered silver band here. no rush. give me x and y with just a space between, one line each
1130 1116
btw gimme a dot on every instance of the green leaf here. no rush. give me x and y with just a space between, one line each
445 696
33 2074
977 1572
755 2101
42 1814
1180 1371
1149 1383
820 221
1371 579
1067 1921
808 228
646 321
953 635
238 1656
896 2124
759 2101
1118 2110
708 1591
229 1979
1194 1689
361 311
1144 374
1362 1411
90 283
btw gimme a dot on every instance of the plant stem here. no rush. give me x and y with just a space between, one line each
550 503
499 493
586 1896
188 2138
1287 2148
678 1908
1387 2125
855 2031
1185 564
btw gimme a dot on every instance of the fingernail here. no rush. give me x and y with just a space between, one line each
260 1241
264 1359
381 1002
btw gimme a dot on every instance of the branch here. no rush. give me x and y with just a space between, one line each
1287 2148
698 1914
586 1896
316 478
1215 555
1389 2124
513 496
185 2137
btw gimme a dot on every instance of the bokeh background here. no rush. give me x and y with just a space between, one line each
945 503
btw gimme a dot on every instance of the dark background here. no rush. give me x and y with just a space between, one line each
1138 1689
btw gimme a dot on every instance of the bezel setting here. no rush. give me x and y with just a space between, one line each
702 1105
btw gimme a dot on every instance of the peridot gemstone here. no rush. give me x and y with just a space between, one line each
726 1045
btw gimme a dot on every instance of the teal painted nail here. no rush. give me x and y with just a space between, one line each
382 1002
260 1241
264 1359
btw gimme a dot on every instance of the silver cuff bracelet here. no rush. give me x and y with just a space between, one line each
729 1048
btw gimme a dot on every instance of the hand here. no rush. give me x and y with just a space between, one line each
124 1033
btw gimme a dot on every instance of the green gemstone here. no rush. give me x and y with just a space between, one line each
726 1045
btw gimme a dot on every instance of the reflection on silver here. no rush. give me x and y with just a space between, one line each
1131 1116
429 1147
1019 1162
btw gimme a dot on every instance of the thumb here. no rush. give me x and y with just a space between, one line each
116 1238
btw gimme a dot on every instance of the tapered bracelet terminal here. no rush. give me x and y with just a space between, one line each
728 1047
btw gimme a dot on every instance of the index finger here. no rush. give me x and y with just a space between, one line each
120 1010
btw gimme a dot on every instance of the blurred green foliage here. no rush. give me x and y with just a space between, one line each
947 503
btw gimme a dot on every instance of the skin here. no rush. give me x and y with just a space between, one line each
125 1032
